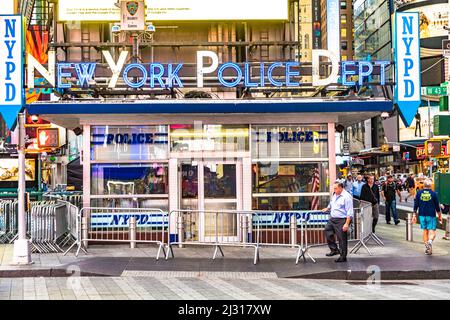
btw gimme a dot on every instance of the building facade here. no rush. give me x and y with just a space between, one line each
225 144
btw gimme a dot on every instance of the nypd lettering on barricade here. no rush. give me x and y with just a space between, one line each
270 219
11 67
157 75
407 59
108 220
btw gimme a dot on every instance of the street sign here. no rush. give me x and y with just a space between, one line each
48 138
396 148
433 148
132 15
434 91
446 47
346 148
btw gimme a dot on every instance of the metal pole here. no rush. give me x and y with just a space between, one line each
293 227
22 247
430 135
447 228
409 227
133 232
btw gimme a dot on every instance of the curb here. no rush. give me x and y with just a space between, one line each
384 275
27 273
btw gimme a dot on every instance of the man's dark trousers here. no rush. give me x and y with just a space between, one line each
334 227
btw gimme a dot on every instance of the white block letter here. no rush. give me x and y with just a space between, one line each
201 69
49 74
333 78
115 68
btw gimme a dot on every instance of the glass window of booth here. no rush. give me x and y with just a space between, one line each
219 138
129 166
290 167
129 179
115 143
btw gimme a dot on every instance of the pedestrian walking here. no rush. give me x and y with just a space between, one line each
426 203
348 184
341 214
388 192
370 192
357 186
411 185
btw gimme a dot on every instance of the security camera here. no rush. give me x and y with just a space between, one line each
384 115
151 28
115 29
34 118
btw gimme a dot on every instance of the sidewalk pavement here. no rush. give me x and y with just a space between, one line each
398 259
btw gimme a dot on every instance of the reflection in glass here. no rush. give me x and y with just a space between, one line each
290 203
128 179
155 145
131 202
220 138
221 223
189 181
289 177
220 181
290 141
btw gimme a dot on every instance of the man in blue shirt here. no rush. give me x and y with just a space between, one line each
427 202
341 214
357 186
348 184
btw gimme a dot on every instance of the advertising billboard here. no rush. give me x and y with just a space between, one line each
433 18
9 169
420 127
333 24
177 10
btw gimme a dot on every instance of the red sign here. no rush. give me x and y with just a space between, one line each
48 138
420 152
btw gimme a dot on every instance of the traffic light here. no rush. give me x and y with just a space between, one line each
433 148
48 137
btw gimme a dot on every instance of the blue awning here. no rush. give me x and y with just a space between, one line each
210 106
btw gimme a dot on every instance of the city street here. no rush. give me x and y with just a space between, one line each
176 286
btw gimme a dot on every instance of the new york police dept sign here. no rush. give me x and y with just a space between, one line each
11 67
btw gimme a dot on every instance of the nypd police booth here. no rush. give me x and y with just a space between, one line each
270 154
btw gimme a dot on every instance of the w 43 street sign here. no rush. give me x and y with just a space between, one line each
434 91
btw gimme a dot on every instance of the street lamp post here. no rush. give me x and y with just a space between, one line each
22 247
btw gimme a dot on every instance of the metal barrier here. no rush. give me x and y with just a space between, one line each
314 228
364 221
8 220
237 228
117 225
75 197
48 227
220 229
282 228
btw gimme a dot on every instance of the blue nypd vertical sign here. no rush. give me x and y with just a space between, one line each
407 62
11 67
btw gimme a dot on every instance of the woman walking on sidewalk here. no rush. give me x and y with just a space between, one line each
428 204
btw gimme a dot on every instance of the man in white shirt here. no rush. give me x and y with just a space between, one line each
341 214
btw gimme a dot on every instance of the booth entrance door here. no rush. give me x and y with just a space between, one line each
210 187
